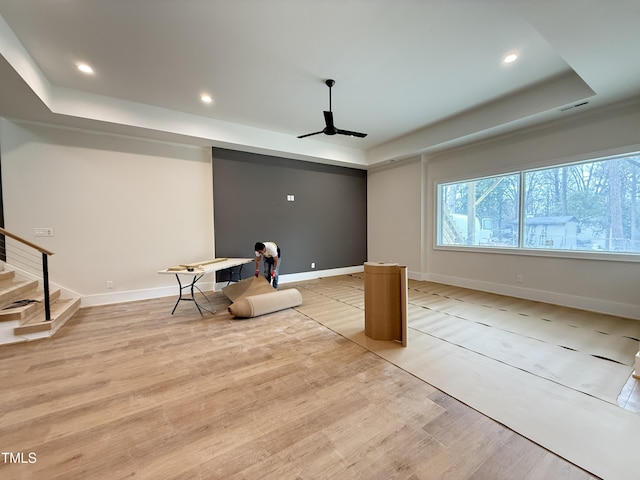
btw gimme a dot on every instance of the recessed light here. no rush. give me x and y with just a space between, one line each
206 98
84 68
512 57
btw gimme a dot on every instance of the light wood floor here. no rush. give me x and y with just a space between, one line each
129 390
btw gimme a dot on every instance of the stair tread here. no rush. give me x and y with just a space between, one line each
30 317
57 307
7 274
63 312
11 288
34 303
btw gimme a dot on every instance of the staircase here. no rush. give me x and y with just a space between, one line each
22 311
450 234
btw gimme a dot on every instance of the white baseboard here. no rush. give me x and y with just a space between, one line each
133 295
159 292
302 276
573 301
299 277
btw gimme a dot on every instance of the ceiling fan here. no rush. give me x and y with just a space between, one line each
330 128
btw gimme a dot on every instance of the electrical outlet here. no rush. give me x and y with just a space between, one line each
519 279
109 283
313 264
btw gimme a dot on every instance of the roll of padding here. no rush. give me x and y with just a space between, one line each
255 305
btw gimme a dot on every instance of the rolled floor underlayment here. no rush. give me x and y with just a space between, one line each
247 287
255 305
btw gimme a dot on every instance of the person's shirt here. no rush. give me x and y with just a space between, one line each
270 250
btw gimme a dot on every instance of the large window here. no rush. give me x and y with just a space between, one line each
588 206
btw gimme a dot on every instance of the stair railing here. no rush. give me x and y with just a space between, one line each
45 266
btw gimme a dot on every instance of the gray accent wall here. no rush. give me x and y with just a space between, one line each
326 223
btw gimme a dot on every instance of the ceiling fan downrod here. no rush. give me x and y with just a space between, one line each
330 83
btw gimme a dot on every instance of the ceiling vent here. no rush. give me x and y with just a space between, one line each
564 109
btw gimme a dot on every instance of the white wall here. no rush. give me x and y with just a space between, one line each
601 285
121 208
394 215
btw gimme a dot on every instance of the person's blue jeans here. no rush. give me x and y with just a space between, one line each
268 268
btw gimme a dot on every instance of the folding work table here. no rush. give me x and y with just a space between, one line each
198 270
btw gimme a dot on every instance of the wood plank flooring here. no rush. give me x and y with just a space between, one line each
130 391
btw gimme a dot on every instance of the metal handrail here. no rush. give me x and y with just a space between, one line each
45 268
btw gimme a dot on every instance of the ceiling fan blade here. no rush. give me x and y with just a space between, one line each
352 134
309 134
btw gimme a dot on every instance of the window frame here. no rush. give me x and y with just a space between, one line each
520 249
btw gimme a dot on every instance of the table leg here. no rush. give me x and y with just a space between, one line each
193 297
192 286
180 292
